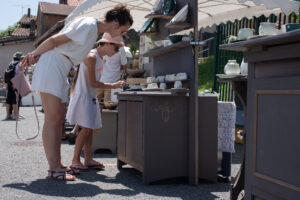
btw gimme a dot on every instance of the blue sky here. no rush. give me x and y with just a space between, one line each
11 10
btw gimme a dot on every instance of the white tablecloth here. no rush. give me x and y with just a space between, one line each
226 126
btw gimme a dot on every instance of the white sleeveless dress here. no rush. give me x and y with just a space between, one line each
84 107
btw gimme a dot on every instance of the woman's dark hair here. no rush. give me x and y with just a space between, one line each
119 13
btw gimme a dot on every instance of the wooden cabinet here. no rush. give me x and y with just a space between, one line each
153 135
273 112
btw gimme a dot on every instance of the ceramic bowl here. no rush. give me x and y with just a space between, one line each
110 105
136 73
175 38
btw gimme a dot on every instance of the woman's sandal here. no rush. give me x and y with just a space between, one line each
60 175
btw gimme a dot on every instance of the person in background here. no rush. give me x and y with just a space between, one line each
111 72
12 111
54 58
83 109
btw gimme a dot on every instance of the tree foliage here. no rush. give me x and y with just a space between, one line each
8 31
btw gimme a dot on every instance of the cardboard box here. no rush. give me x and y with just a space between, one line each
136 81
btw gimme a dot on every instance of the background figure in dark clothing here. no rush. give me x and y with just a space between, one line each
11 100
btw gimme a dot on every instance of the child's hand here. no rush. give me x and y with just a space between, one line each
119 84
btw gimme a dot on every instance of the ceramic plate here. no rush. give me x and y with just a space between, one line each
181 15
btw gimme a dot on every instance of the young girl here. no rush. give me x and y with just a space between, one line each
83 108
55 57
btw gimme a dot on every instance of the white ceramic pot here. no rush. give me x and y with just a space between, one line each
232 68
245 33
267 28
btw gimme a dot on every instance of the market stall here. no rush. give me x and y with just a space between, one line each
271 170
174 59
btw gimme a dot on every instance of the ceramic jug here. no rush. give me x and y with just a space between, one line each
244 67
232 68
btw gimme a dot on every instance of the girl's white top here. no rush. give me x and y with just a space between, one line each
111 69
82 86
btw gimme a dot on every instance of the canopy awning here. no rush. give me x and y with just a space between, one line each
209 11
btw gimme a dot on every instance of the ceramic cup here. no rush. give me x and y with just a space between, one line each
163 86
160 79
177 84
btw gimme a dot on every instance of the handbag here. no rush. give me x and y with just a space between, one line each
23 88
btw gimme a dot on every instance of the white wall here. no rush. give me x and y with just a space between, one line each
7 51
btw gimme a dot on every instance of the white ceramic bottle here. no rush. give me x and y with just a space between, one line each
244 67
232 68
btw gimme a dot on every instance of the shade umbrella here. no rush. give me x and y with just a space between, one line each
209 11
98 8
220 11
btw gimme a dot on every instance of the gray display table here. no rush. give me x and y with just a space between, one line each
273 113
106 137
153 134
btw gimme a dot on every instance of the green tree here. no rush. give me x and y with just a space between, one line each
8 31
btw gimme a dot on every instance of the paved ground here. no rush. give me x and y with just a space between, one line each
23 169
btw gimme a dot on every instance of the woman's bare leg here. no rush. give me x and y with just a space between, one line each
54 111
63 116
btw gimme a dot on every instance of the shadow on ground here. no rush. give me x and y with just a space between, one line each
62 189
132 184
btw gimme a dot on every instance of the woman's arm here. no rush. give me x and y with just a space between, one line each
90 62
55 40
50 43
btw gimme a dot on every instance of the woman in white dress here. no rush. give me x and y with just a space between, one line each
54 58
84 108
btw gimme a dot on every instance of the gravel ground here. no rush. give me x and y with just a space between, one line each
23 169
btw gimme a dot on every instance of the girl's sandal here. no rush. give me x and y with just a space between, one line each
60 175
72 171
